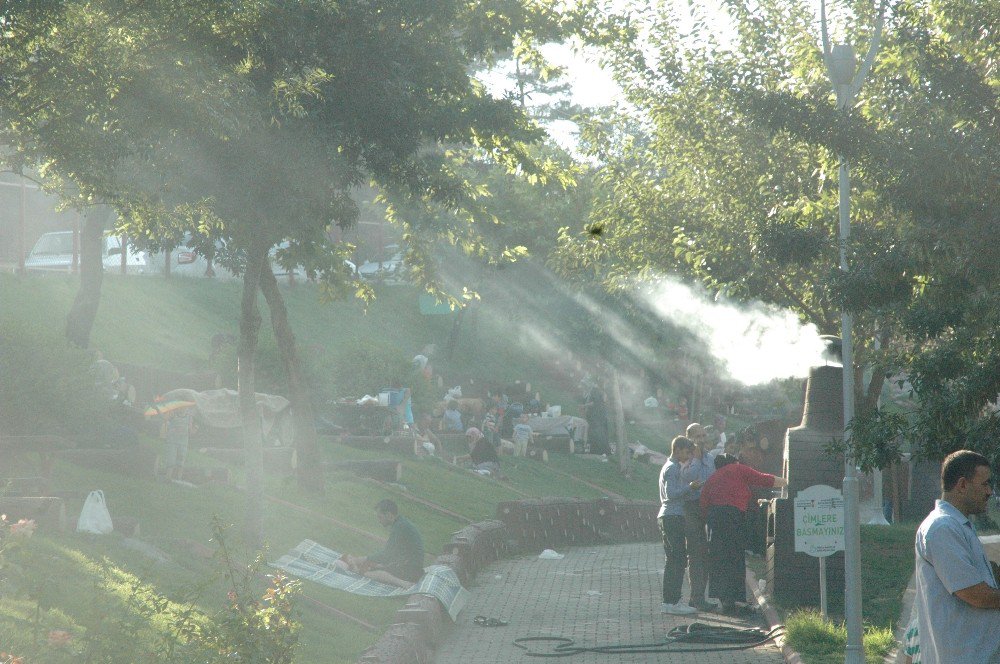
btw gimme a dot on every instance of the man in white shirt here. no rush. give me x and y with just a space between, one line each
957 600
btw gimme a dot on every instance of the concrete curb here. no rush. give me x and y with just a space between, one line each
789 655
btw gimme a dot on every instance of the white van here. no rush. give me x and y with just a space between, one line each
54 253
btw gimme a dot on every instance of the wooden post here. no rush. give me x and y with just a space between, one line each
623 457
75 265
123 243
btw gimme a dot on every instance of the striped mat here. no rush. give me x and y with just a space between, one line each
314 562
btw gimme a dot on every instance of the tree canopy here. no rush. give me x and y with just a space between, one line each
252 122
721 166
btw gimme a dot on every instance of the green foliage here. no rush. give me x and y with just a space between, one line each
48 387
876 438
723 168
820 641
128 620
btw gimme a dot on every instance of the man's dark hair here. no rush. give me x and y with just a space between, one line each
680 443
957 465
387 506
748 436
724 460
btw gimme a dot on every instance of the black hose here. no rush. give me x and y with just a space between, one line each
715 639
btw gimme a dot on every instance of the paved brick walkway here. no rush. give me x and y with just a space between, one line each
595 595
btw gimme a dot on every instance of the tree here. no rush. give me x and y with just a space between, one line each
721 170
251 122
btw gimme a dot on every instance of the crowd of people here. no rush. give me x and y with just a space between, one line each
705 495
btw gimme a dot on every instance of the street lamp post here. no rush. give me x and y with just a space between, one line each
846 78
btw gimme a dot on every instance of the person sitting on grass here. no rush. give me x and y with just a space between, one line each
451 421
401 562
425 441
482 456
491 425
522 436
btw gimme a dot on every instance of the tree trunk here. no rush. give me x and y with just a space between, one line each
622 449
456 328
308 469
894 487
246 364
80 320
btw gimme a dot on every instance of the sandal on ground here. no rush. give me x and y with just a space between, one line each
483 621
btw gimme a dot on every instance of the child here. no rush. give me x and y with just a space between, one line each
176 431
522 435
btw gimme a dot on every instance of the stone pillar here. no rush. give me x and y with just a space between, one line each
792 577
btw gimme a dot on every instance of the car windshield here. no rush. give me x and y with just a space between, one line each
53 244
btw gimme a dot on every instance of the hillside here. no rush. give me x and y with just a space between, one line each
169 324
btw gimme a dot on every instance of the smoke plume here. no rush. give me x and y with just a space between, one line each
757 343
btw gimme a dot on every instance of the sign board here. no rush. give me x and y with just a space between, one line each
429 306
819 521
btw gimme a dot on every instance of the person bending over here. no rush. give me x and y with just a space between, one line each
724 500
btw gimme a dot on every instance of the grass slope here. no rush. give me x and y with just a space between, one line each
169 324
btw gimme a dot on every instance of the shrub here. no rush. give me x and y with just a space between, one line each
48 387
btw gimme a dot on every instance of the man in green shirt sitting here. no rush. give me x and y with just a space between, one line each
401 562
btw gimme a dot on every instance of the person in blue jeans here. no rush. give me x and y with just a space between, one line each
674 491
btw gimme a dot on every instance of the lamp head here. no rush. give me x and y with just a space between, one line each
843 64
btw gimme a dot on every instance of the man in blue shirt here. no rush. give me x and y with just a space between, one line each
698 469
957 599
674 491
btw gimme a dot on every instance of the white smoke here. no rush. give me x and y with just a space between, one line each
757 343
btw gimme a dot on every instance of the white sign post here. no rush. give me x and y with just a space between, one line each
819 528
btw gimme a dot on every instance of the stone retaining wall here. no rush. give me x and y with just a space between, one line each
524 526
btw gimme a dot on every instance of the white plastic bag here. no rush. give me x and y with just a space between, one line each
94 517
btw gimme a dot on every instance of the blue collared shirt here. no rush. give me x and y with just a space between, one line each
950 557
673 490
697 470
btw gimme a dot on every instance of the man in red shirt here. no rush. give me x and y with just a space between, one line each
724 500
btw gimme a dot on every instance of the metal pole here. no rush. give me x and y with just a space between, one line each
822 587
878 494
847 80
854 653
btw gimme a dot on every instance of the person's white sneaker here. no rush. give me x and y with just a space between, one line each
678 609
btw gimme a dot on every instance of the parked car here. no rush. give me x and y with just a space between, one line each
186 261
391 268
53 252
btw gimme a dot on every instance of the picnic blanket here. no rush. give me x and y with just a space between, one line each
314 562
